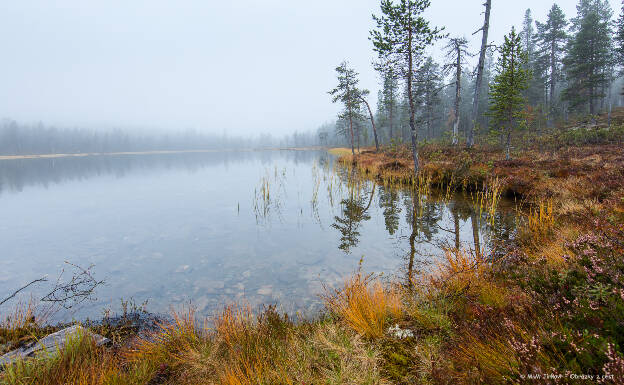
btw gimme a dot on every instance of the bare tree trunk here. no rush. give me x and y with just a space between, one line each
553 81
475 102
412 239
391 121
610 104
412 120
370 112
508 156
457 97
352 139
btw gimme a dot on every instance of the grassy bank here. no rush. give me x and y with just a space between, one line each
552 305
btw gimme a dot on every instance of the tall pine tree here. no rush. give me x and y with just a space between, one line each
589 58
619 39
550 41
401 36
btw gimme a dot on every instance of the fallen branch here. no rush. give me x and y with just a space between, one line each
42 279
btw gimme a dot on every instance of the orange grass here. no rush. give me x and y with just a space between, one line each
365 305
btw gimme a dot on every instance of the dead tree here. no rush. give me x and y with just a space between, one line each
372 119
456 53
475 101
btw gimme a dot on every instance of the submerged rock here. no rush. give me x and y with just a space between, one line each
50 344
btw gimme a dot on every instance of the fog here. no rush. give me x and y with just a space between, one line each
241 67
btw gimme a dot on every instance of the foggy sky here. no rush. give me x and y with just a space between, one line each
244 67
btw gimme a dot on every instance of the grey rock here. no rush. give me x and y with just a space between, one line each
50 344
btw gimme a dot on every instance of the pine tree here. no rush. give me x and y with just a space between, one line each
389 97
536 90
619 39
456 52
429 82
590 56
550 40
401 36
527 35
348 93
510 82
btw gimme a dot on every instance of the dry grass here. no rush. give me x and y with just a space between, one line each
80 362
24 323
366 305
340 151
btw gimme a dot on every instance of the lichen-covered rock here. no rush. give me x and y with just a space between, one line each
51 343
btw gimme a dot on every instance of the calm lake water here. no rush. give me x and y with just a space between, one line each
214 228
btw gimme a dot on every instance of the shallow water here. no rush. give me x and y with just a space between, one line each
213 228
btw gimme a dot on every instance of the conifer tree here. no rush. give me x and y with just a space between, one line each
401 36
507 92
590 56
429 83
536 89
347 93
550 45
389 97
619 40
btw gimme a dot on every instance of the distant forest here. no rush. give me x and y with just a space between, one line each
21 139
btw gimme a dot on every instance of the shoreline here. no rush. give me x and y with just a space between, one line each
156 152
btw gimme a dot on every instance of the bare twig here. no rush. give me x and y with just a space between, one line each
42 279
78 289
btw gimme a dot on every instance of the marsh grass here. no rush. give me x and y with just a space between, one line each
23 323
365 304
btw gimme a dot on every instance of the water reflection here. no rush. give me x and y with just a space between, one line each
212 228
17 174
354 212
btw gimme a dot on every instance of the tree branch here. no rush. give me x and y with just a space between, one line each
42 279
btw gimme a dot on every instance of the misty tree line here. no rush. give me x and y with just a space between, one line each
544 74
22 139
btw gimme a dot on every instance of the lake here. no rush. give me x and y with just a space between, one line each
258 227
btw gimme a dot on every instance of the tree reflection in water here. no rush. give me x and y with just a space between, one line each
354 212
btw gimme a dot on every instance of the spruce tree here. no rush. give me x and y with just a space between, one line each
507 92
590 56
